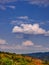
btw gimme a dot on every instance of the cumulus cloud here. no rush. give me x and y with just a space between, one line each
17 29
30 43
2 42
29 29
27 43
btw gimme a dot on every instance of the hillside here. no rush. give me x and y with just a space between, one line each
18 59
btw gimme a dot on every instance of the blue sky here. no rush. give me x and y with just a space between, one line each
24 26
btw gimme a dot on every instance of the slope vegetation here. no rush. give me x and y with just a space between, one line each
18 59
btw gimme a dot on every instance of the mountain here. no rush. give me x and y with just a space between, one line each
41 55
7 58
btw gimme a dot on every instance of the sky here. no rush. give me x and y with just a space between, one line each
24 26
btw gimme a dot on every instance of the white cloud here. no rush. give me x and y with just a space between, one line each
17 22
6 1
29 29
26 47
39 2
17 29
4 7
13 47
28 43
3 41
11 6
23 17
36 2
10 47
22 20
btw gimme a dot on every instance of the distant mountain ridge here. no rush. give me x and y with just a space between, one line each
40 55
